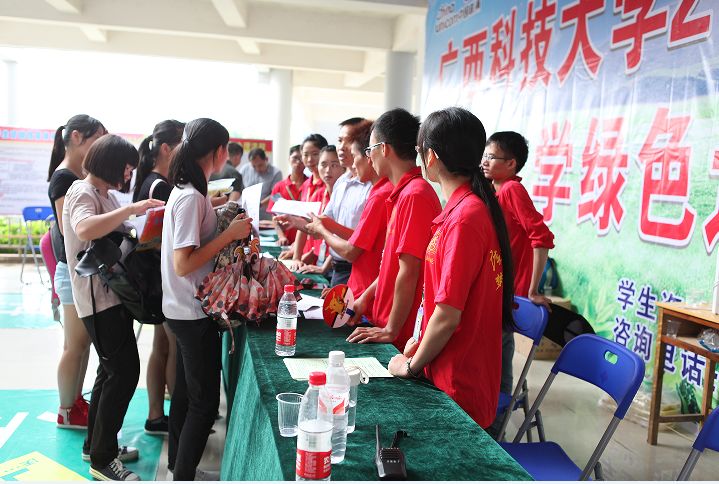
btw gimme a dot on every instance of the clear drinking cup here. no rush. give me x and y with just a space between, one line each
288 412
355 378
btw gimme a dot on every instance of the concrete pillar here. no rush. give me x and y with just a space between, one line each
11 68
399 81
281 82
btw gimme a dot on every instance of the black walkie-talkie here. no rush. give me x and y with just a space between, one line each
390 460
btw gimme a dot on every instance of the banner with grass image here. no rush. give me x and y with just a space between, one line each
620 105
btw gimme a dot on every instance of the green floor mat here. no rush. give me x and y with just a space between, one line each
27 425
26 310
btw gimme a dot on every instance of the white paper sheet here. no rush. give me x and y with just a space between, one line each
300 368
293 207
250 201
308 302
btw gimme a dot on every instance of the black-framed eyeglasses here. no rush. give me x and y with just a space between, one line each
369 149
491 157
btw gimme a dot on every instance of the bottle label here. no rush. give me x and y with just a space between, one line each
339 403
286 337
286 323
313 465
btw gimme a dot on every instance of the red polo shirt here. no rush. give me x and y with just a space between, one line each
288 190
411 207
526 229
369 235
313 190
463 269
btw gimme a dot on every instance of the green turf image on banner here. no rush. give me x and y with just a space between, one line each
27 426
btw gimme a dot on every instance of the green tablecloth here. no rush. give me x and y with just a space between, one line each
444 443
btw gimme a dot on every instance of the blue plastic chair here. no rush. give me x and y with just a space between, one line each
34 214
603 363
708 438
531 320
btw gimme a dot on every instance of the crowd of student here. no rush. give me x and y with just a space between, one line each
436 282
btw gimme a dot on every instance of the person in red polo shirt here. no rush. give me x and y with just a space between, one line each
468 272
364 246
312 191
394 297
529 237
290 189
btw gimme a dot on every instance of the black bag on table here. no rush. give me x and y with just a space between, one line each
133 276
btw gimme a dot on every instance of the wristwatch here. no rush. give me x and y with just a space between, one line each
409 368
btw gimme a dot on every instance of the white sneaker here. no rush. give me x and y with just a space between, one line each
200 475
114 471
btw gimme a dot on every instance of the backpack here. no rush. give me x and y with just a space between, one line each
133 276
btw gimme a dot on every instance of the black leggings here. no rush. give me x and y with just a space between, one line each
197 394
114 340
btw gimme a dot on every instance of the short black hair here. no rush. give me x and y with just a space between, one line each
398 128
296 148
108 157
235 149
351 121
513 144
329 149
257 152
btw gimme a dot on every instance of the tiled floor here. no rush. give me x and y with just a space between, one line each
572 415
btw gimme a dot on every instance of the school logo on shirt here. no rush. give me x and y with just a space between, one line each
495 260
432 247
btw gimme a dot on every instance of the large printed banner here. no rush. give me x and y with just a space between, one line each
620 103
25 157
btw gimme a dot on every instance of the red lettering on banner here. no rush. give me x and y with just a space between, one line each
554 158
577 13
537 42
710 230
502 47
604 170
474 59
666 179
688 27
639 24
448 58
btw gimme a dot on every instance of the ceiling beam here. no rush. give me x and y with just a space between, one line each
94 34
233 12
271 23
249 46
273 55
66 6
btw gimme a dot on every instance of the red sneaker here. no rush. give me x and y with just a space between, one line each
82 405
71 418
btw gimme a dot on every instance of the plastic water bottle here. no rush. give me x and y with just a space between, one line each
286 335
335 395
314 434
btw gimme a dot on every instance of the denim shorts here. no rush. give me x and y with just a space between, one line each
63 287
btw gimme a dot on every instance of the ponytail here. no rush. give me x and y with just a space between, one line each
58 152
144 167
201 138
483 188
86 125
458 137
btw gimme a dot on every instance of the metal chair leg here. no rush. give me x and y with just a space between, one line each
598 474
540 426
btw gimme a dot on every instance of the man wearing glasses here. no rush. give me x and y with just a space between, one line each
529 237
393 299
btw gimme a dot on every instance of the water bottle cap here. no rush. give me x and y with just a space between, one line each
318 378
337 358
289 288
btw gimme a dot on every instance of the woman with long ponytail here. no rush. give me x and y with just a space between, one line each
468 279
151 174
189 244
72 141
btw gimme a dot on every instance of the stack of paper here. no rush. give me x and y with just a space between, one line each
300 368
310 307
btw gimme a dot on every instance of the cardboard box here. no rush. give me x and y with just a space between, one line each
548 350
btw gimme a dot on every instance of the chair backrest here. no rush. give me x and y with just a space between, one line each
30 214
605 364
709 435
530 318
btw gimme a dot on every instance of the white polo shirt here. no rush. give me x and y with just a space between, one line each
347 202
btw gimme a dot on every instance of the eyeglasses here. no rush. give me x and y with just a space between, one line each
491 157
369 149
